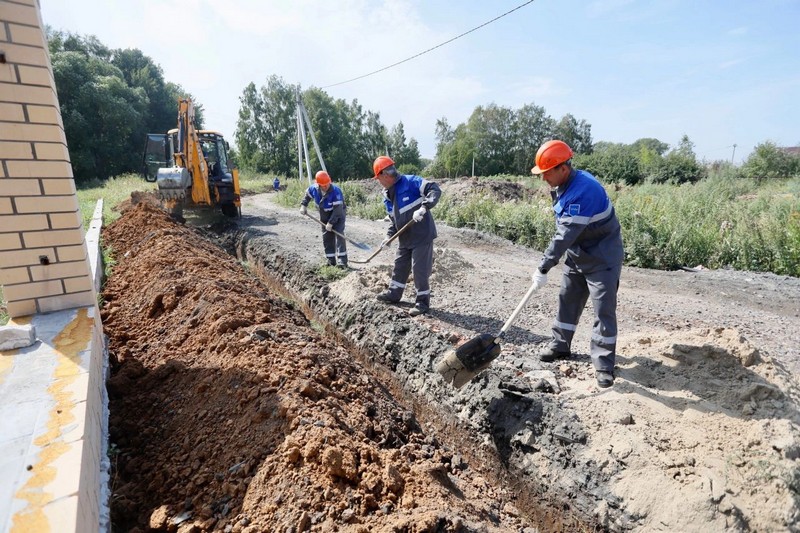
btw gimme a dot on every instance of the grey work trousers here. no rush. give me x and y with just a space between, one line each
418 260
335 246
576 288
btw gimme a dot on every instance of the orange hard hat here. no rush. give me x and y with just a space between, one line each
322 178
551 154
380 164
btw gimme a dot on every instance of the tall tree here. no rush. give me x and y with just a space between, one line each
109 100
492 129
140 71
266 128
104 118
348 136
532 127
403 152
577 134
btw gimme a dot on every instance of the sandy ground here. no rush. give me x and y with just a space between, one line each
699 433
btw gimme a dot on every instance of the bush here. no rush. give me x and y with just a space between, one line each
409 169
612 163
768 162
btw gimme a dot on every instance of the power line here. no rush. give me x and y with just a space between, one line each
432 48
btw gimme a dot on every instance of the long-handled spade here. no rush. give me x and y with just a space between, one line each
459 366
348 239
385 244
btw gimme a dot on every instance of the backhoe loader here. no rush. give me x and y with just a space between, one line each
191 167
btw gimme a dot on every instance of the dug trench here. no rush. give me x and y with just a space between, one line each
231 410
253 393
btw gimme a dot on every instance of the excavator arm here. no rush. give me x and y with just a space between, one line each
191 156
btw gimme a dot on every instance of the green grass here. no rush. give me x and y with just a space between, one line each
716 222
255 183
3 311
113 191
330 273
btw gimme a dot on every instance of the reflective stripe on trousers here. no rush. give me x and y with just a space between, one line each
576 289
335 246
419 261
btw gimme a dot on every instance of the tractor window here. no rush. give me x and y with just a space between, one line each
223 156
156 155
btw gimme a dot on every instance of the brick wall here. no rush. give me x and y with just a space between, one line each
43 260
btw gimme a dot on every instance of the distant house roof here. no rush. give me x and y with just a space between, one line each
793 150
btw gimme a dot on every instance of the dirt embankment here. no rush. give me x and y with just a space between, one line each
230 411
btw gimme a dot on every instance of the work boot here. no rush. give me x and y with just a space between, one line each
388 296
605 379
551 354
418 309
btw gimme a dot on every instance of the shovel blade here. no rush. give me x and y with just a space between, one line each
361 246
459 366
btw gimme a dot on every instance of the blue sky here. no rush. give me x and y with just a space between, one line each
721 72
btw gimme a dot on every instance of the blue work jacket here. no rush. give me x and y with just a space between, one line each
587 228
331 205
408 194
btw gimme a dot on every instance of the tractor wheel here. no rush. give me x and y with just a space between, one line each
230 210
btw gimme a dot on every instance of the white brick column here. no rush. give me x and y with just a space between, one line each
43 260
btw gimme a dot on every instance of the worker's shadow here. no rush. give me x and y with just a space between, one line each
482 324
707 379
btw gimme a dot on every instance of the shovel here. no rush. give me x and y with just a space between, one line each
459 366
385 244
345 237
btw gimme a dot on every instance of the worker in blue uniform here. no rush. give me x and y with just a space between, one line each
588 232
408 199
332 212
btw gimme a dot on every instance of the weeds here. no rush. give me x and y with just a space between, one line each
331 273
4 318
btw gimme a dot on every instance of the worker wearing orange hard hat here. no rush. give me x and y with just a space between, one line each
588 232
408 200
332 212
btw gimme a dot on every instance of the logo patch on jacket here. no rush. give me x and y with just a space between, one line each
574 209
405 198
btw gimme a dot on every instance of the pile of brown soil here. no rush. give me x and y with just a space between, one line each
231 411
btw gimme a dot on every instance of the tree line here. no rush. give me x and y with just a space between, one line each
349 136
110 98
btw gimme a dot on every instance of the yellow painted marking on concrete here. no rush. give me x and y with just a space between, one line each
68 344
6 362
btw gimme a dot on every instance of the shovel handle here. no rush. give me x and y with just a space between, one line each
513 316
388 242
321 223
345 237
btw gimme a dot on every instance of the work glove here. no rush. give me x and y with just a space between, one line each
328 226
419 213
384 243
303 210
539 279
